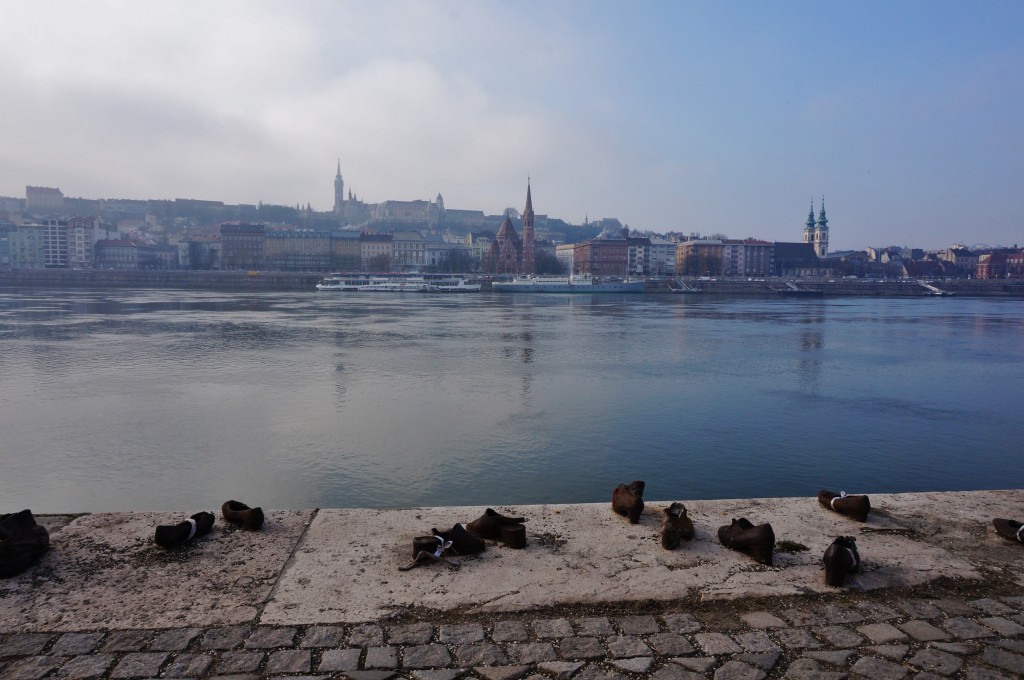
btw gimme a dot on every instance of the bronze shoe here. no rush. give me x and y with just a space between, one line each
758 541
1009 529
22 542
240 513
490 524
856 507
170 535
840 559
676 527
627 500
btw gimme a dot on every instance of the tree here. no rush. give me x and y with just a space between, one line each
456 262
380 263
546 263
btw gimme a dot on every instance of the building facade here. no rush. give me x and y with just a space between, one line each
601 257
242 246
376 252
117 254
301 250
43 201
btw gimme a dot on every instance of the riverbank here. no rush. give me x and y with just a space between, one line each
590 596
306 281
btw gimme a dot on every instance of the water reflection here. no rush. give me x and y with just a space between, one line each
303 400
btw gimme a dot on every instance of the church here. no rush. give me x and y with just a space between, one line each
510 254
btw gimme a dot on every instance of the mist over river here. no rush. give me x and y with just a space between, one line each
180 400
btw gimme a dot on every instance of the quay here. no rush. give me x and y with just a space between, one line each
318 593
254 281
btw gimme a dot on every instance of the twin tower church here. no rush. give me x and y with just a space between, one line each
816 233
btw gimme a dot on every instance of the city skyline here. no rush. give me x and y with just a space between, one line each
691 117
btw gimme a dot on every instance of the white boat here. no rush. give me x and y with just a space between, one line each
577 283
398 283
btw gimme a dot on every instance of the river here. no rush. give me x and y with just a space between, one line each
116 400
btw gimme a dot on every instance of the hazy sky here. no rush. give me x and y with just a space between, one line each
695 116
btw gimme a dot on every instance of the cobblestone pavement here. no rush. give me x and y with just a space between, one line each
875 636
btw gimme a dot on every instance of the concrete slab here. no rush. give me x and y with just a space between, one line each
337 566
346 569
105 571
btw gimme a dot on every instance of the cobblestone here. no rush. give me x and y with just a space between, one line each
224 638
289 661
510 631
241 661
87 667
339 660
595 627
22 644
461 634
890 640
265 638
139 665
324 636
71 644
637 625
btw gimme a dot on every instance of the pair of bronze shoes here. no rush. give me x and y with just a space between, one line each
497 527
628 500
1010 529
171 535
840 559
458 541
22 542
237 512
757 541
676 527
856 507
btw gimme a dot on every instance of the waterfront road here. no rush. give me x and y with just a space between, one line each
318 593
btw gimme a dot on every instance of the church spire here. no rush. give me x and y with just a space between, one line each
822 220
529 259
809 225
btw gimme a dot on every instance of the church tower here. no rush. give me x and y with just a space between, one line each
339 192
809 225
529 265
821 231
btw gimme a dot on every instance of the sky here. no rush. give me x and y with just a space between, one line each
711 117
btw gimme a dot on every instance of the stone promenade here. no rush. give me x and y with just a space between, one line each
869 637
318 593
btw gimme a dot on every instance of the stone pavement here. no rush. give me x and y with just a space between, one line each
859 636
318 593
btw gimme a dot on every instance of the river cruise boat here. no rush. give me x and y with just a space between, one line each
397 283
577 283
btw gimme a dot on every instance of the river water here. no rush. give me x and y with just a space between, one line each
174 400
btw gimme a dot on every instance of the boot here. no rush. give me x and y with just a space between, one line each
840 559
676 527
513 536
856 507
627 500
240 513
490 524
22 543
170 535
757 541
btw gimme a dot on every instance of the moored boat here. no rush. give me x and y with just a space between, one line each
577 283
397 283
